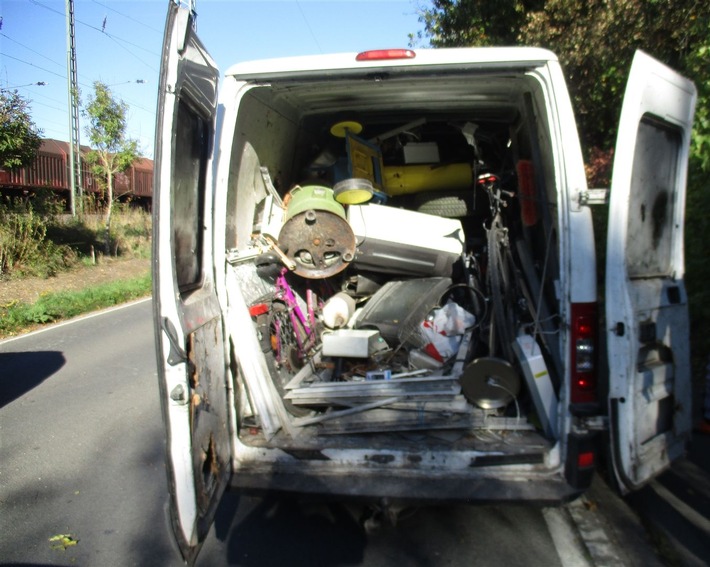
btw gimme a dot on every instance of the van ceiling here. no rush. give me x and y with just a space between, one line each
492 97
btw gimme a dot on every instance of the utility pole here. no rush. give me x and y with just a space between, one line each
73 94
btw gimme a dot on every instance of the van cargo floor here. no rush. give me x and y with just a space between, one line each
495 440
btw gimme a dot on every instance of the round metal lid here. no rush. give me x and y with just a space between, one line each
490 383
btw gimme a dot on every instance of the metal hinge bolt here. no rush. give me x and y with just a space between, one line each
178 394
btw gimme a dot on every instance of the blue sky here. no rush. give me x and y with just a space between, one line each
119 43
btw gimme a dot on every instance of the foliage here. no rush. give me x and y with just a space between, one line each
46 203
130 231
598 167
697 236
64 305
35 240
456 23
595 41
112 151
19 137
697 65
24 247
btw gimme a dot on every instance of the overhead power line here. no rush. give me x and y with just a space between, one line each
32 50
33 65
37 84
116 39
308 25
82 84
88 86
128 17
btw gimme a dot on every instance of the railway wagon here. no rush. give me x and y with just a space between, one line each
50 170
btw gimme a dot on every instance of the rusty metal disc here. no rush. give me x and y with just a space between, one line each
320 243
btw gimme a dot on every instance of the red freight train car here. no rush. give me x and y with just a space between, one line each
50 170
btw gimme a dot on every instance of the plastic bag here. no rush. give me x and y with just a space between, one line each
444 329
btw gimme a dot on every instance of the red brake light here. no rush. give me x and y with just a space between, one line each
385 54
585 460
584 353
585 326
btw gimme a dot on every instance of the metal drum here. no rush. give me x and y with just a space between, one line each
316 235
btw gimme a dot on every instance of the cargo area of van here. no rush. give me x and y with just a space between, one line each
394 236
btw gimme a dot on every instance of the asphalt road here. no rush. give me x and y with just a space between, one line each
82 449
81 456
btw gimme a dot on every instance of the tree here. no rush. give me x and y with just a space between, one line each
595 41
19 137
456 23
112 152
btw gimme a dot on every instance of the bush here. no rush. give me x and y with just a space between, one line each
35 240
24 248
697 235
130 231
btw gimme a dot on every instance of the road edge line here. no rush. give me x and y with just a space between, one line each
76 319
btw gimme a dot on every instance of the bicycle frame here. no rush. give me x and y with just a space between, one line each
303 328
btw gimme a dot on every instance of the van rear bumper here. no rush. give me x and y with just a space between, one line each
391 485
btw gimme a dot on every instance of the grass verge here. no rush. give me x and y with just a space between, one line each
53 307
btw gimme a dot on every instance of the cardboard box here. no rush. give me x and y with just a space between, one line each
352 343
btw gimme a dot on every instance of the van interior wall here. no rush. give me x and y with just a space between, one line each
271 127
295 146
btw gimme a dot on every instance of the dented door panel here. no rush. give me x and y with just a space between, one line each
646 302
192 358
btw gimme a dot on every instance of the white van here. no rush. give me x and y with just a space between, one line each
375 276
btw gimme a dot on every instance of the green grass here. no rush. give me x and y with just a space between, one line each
53 307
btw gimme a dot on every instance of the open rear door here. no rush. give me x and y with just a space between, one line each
192 363
646 301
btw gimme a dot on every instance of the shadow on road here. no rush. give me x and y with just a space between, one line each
23 371
676 507
317 534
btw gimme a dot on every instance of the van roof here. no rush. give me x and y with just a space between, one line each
460 57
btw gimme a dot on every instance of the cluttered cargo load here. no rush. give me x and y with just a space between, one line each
407 299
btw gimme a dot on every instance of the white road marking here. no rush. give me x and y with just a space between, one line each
75 320
693 516
591 530
570 548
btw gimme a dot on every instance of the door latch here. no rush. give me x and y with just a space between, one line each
594 197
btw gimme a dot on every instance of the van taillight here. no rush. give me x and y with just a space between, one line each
385 54
585 460
584 353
